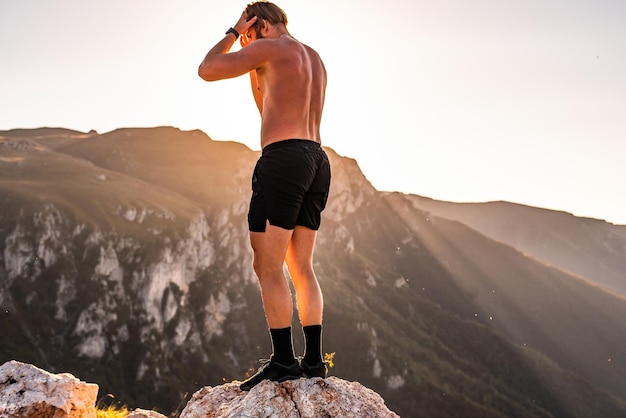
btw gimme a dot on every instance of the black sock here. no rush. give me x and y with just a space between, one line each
312 344
282 346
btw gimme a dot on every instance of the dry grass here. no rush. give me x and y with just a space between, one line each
112 412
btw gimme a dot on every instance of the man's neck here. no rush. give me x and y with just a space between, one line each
276 32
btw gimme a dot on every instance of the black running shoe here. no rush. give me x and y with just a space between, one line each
316 370
273 371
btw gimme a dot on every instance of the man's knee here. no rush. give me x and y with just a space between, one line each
258 265
265 268
301 271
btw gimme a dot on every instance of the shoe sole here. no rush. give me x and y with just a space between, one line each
285 378
280 380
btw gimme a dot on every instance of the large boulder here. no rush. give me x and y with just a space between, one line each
310 398
29 392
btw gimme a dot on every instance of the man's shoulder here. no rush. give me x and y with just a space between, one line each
284 51
286 44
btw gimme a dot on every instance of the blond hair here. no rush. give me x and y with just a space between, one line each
265 10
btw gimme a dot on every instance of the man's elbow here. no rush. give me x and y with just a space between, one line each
212 72
205 73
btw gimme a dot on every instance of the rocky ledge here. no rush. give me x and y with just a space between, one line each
29 392
315 398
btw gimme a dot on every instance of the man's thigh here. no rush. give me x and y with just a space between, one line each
270 247
300 250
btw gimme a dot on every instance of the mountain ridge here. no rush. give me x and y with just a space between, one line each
586 247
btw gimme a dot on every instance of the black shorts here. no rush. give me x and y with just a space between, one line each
290 185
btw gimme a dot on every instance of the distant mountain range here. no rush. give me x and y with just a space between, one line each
124 259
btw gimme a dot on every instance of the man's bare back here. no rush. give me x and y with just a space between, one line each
292 86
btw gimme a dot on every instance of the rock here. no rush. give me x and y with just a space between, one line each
29 392
310 398
143 413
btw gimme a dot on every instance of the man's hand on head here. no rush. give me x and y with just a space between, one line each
242 26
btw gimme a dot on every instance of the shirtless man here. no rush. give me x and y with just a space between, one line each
290 182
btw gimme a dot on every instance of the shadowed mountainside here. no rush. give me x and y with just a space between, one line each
590 248
124 259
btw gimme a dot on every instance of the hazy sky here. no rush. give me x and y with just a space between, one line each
461 100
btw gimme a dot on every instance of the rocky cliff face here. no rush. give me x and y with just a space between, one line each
124 259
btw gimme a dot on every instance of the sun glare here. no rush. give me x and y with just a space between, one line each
456 103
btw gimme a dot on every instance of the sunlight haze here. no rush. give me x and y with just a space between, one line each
454 100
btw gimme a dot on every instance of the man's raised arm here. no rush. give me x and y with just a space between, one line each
218 64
